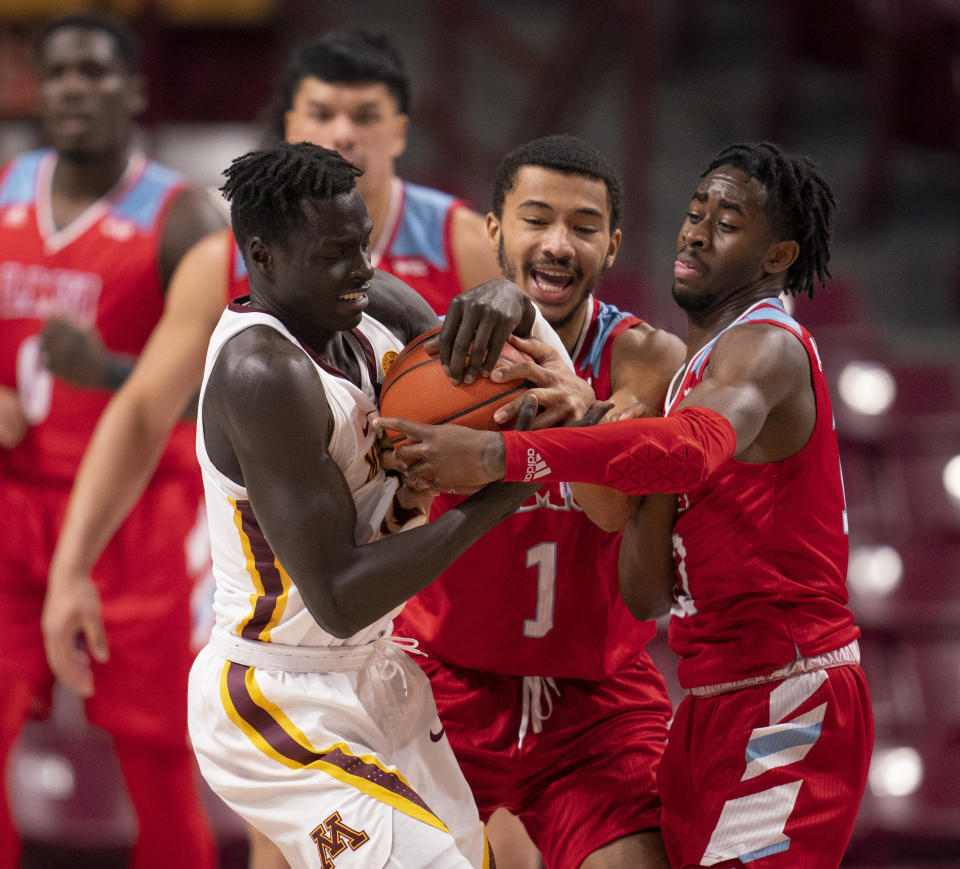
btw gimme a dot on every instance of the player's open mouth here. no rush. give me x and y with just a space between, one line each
552 283
353 297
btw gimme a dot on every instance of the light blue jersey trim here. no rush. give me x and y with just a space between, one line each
239 265
759 312
607 318
778 848
422 225
21 181
144 201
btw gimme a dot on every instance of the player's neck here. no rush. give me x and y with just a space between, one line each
703 326
86 180
571 330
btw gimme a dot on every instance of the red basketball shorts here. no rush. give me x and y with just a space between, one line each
145 588
587 778
769 776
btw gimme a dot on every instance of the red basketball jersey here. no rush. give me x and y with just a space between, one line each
539 593
102 270
416 243
761 548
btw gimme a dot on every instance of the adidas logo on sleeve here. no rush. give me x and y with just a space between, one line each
536 466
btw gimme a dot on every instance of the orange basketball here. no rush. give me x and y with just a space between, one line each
415 387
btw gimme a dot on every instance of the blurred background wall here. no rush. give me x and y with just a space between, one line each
867 88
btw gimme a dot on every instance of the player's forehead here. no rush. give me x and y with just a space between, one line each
67 45
343 95
343 216
559 192
728 184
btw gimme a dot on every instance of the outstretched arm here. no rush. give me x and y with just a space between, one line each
123 453
756 402
635 456
301 499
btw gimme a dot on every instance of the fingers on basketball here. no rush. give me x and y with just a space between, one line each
416 387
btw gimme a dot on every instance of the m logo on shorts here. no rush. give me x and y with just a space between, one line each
335 838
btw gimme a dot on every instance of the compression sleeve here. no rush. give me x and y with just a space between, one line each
637 456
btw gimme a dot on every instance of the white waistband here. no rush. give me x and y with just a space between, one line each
305 659
842 657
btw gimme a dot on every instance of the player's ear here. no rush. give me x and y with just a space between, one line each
615 238
493 231
401 124
258 255
780 256
137 95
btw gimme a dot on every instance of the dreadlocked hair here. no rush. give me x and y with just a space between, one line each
800 206
267 189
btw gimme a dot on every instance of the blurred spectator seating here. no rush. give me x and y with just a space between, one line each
907 586
840 318
906 53
630 290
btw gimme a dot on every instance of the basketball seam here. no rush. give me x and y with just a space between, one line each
490 400
402 374
394 442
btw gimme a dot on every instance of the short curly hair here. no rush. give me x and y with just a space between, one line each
562 153
126 42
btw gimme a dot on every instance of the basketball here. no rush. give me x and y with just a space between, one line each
415 387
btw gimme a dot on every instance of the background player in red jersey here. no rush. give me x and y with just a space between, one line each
769 752
90 233
550 702
348 92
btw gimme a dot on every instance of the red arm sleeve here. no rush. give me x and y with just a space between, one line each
637 456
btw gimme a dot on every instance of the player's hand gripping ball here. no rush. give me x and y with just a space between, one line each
415 387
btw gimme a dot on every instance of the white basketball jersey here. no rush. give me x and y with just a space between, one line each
255 598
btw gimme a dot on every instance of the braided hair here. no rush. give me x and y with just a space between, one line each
800 206
267 189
